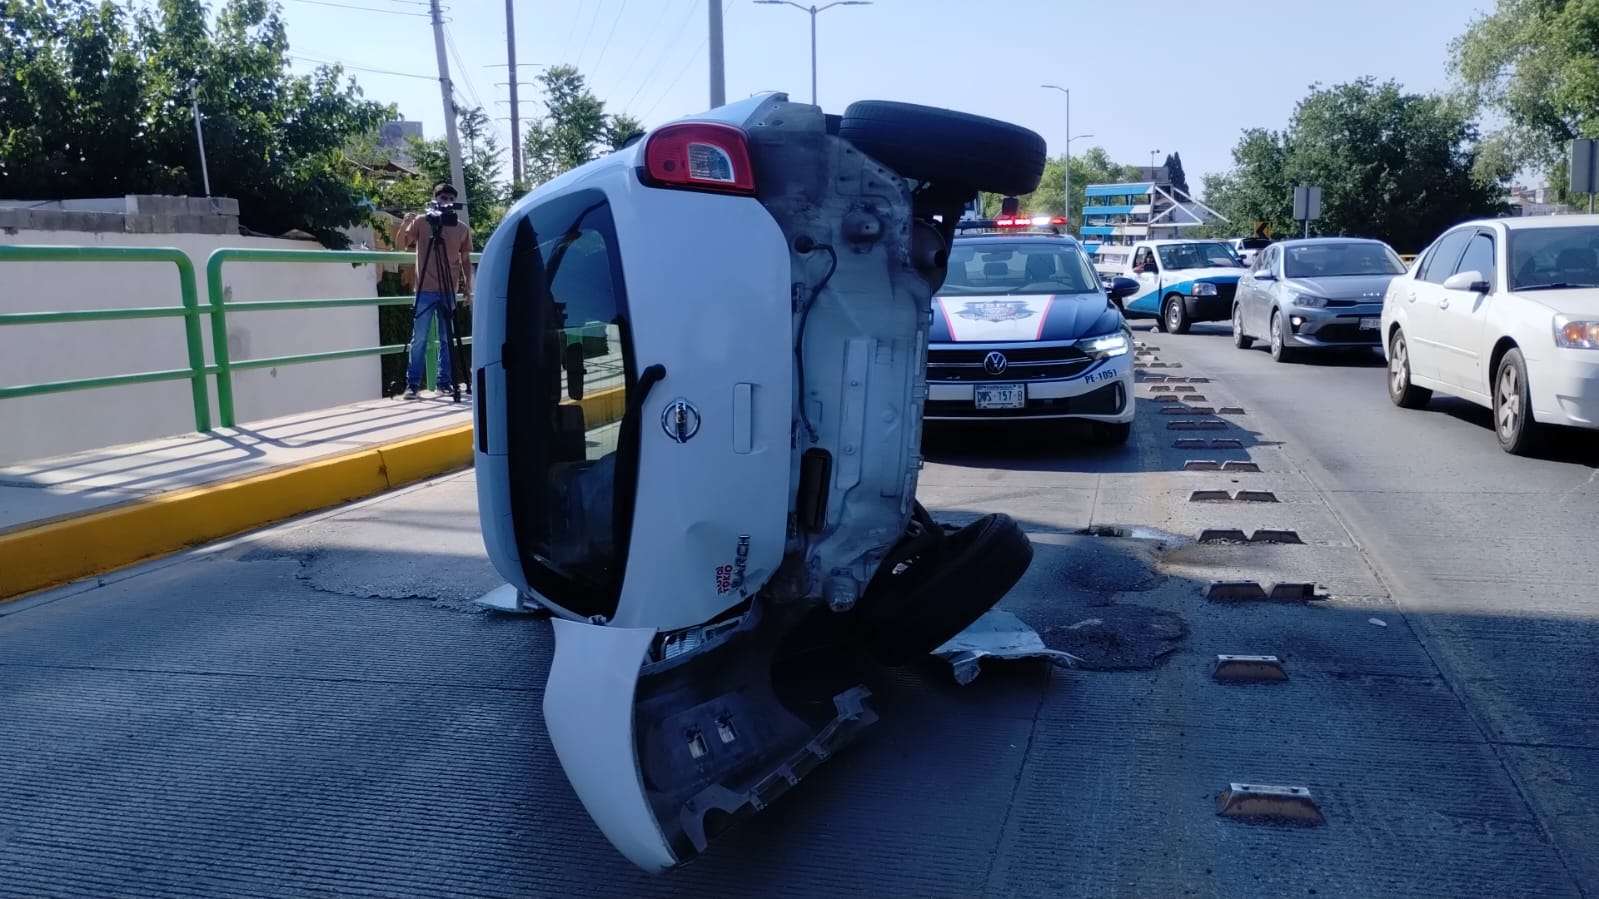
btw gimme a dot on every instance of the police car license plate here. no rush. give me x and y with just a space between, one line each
1001 396
1370 324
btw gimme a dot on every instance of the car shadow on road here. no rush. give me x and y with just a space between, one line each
1569 445
1070 446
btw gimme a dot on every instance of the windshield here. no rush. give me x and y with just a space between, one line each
1331 260
1198 255
996 269
1554 258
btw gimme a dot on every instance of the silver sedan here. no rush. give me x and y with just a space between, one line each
1319 293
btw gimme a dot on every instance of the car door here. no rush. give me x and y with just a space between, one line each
1145 272
1461 315
1246 288
1268 275
1423 298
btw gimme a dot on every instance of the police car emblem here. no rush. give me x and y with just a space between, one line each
996 310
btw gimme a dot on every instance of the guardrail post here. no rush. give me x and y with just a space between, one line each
191 336
219 336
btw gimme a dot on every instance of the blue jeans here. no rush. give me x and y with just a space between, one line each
428 304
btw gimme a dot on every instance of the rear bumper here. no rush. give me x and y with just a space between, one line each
1103 393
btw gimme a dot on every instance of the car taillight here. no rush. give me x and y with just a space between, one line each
700 156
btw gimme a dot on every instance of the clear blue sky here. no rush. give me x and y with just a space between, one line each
1172 75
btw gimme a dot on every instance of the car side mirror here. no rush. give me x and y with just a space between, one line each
1122 287
1469 281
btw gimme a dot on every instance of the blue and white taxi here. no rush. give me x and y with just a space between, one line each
1179 281
1023 329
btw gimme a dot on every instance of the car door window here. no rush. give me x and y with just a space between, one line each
1141 258
1479 257
1440 262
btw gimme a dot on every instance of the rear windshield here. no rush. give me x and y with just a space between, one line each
1330 260
1554 258
1198 255
995 269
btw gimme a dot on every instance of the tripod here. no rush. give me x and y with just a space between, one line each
448 335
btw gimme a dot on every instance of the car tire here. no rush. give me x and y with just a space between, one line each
946 147
1280 351
1113 433
1404 394
972 569
1519 433
1175 315
1240 339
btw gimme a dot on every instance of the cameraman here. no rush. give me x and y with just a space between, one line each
443 262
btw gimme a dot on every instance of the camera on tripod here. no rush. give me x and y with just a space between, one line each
440 215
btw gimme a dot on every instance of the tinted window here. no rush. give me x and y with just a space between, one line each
1141 258
566 329
1479 257
1329 260
1440 263
989 269
1198 255
1554 257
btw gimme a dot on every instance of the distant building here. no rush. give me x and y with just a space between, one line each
395 139
1122 214
1535 201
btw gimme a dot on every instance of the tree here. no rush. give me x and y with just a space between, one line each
486 191
574 128
1174 171
1093 166
1391 165
95 101
1536 64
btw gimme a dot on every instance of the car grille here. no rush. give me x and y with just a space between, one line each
1022 363
1107 400
1225 293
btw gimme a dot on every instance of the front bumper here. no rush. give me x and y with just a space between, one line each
1567 388
1335 327
1215 308
1103 393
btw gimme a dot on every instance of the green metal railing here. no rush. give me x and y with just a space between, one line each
189 310
217 307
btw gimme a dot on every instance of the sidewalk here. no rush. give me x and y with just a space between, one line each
71 516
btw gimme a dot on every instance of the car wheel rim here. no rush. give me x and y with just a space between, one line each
1276 336
1173 317
1238 323
1398 368
1509 401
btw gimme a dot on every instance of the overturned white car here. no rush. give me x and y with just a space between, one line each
699 366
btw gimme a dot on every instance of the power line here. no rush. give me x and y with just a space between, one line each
391 12
584 49
351 65
661 57
607 45
571 30
683 71
654 29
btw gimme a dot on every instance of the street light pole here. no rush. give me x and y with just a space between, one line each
813 10
718 79
1066 170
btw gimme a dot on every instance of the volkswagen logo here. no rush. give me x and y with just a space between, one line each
995 363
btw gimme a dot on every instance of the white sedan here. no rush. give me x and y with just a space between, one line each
1504 313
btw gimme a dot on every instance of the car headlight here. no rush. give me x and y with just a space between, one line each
1577 334
1204 289
1307 300
1106 345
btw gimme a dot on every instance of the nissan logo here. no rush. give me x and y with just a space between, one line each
995 363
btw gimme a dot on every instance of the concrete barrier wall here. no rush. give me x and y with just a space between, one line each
34 427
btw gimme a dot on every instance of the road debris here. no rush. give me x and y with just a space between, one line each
997 635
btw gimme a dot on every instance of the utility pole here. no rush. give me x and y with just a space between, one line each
516 122
453 140
718 78
813 10
199 136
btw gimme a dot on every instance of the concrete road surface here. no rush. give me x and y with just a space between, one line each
318 709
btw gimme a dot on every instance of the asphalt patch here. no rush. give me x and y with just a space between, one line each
1118 637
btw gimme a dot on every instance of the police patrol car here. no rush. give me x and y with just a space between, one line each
1023 329
1179 281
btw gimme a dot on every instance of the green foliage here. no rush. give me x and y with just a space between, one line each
95 101
1174 170
1536 64
1093 166
1395 166
574 129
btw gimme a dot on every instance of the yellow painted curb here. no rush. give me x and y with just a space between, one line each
65 549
